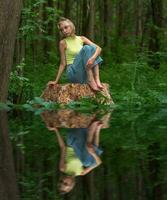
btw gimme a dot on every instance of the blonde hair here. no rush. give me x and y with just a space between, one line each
63 19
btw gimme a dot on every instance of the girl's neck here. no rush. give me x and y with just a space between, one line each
71 36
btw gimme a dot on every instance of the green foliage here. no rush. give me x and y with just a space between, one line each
20 88
135 83
126 60
38 105
32 22
6 106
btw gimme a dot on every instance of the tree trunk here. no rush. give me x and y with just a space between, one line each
91 19
67 8
8 183
155 33
138 16
88 18
9 21
154 171
146 21
120 12
45 42
107 20
84 17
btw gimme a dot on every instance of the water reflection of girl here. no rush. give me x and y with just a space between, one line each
80 155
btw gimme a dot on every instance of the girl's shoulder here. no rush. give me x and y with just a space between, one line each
62 43
83 37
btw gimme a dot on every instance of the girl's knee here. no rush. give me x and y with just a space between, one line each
89 47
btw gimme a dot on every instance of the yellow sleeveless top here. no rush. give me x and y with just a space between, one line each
74 45
73 164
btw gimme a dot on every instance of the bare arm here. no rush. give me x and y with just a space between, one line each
62 148
98 162
62 46
97 159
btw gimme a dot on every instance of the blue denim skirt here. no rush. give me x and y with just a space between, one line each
76 72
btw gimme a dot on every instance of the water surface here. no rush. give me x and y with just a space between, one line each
131 147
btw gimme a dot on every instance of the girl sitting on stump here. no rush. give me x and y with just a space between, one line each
80 55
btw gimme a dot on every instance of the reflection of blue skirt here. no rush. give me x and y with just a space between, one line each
76 72
77 139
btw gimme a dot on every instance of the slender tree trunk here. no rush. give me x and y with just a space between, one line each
108 23
146 20
154 171
8 184
45 42
138 16
119 18
88 19
78 17
155 33
9 21
91 21
67 9
17 52
91 185
101 22
84 17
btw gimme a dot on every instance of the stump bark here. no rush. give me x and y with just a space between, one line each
65 93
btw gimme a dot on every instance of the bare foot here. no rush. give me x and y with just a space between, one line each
99 85
93 86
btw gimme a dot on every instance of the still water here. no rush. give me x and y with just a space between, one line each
70 155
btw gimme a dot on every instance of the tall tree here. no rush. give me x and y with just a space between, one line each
91 19
88 20
108 22
67 8
85 17
8 183
9 21
155 32
120 16
138 18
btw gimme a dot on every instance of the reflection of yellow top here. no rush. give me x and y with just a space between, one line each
73 164
74 45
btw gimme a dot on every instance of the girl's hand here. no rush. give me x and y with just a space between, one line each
90 62
51 83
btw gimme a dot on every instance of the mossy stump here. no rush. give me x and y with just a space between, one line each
65 93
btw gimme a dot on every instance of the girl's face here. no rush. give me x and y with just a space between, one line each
66 183
66 29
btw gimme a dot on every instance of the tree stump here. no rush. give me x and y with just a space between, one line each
65 93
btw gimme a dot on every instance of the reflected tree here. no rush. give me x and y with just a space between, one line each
8 183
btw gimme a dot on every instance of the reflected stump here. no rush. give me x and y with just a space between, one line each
67 118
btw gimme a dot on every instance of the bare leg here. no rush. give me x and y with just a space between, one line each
91 132
91 80
97 77
93 135
97 133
